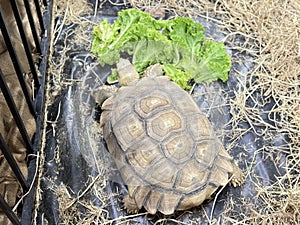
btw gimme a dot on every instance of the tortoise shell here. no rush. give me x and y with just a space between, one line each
164 147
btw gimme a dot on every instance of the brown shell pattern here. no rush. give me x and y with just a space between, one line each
164 146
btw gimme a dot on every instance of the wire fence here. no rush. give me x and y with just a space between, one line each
23 59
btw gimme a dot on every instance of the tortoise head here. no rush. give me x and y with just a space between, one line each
127 73
155 70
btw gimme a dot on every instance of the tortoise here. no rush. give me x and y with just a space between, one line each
162 144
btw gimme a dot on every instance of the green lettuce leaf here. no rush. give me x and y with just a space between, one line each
178 44
177 75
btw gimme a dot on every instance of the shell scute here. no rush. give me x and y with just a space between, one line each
162 124
163 174
199 126
206 152
151 103
178 148
143 155
129 130
191 178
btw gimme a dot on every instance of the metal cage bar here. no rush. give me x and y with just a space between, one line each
45 2
10 214
32 24
25 41
12 162
16 63
39 14
14 111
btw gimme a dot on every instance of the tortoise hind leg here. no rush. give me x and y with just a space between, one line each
226 162
237 176
130 204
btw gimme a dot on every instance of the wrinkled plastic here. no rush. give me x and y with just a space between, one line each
75 151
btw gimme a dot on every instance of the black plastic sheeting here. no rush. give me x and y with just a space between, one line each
74 146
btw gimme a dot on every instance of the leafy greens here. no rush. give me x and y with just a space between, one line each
178 44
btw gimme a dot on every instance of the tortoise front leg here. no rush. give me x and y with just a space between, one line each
102 93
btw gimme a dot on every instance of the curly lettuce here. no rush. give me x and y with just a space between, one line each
178 44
